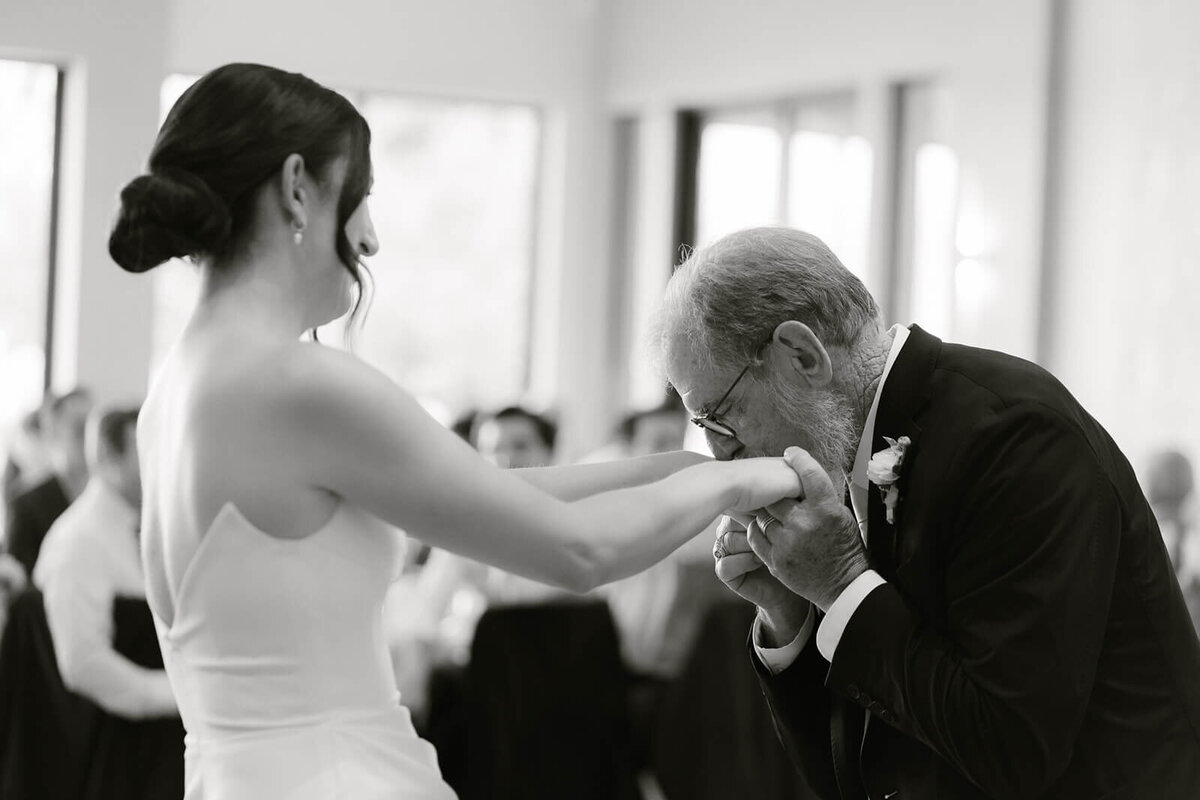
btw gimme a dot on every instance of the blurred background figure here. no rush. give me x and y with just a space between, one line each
90 575
451 592
34 510
1170 488
658 613
515 437
28 460
658 430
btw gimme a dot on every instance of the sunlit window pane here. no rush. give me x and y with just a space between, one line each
829 192
454 208
935 188
28 116
739 178
177 283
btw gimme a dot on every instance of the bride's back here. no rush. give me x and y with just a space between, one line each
208 438
251 619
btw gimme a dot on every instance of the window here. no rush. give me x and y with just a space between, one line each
177 283
455 207
741 158
797 163
928 277
29 107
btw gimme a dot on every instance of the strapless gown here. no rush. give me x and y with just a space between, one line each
277 658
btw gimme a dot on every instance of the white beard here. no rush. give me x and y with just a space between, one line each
827 423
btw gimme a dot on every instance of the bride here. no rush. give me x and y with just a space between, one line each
275 470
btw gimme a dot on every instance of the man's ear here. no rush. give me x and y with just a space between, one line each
293 196
798 353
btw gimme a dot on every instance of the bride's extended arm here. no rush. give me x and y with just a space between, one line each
351 431
576 481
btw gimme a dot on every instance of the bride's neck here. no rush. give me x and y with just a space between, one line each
258 294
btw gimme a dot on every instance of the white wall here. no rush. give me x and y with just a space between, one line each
113 50
1126 278
992 55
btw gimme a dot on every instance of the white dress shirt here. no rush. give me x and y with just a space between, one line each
90 557
838 616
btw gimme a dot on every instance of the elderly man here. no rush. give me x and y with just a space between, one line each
998 611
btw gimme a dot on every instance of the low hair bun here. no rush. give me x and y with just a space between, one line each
169 213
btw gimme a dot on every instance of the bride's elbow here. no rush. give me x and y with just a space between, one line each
584 567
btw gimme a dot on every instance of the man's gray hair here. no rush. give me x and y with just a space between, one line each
726 299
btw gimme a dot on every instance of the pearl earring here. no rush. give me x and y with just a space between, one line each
298 236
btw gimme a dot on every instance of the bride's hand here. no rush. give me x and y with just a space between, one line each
761 482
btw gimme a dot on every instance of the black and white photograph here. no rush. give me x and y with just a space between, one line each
599 400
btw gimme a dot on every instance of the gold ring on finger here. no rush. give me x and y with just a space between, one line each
765 520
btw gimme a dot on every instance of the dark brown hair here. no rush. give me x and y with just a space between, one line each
227 134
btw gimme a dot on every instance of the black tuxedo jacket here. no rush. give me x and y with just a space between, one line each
30 517
1032 640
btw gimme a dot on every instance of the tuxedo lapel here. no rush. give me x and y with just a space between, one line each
905 393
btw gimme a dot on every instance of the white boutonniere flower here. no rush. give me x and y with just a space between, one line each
884 472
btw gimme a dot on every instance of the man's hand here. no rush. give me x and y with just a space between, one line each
782 612
812 546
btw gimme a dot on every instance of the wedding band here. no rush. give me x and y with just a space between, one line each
765 520
719 550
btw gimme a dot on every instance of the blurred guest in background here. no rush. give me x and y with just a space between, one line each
515 437
32 512
13 581
28 461
451 592
1170 488
658 611
90 574
91 557
657 430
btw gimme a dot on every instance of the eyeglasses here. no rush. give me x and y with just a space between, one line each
712 420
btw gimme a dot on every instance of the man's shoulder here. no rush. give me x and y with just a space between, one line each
977 395
971 384
1008 379
74 537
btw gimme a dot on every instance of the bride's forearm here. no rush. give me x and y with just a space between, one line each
577 481
654 519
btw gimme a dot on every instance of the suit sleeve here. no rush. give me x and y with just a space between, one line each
800 708
1029 542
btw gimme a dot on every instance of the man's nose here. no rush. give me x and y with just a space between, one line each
724 448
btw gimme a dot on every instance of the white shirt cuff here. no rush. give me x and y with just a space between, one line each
777 659
838 616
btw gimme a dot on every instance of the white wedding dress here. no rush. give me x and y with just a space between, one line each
277 658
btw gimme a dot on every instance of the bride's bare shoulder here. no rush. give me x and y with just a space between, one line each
293 376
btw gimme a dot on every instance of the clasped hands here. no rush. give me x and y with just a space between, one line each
810 548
